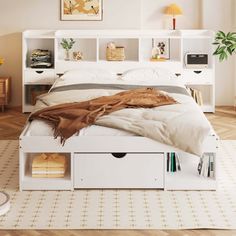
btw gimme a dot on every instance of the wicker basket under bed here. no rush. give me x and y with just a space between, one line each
116 54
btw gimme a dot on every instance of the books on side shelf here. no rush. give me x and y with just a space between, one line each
173 162
50 165
206 165
197 95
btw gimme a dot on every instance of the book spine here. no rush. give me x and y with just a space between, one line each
212 165
168 160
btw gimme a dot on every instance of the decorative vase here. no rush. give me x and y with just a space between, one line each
67 55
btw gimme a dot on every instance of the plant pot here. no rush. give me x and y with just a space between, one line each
67 55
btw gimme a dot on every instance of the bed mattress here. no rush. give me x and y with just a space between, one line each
40 128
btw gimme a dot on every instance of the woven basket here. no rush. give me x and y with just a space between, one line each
116 54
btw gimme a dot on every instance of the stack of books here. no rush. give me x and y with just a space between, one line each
197 95
173 162
206 165
50 165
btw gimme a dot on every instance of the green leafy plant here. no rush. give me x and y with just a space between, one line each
226 45
67 44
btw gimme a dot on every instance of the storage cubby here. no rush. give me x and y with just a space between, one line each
40 43
188 178
198 45
207 96
87 46
34 90
131 46
27 182
172 47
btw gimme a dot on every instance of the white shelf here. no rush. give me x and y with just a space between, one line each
138 47
188 178
30 183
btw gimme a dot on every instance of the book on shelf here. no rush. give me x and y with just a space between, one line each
173 162
206 165
196 94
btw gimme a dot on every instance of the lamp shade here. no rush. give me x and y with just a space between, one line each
173 10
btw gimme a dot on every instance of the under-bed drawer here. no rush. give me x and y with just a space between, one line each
128 170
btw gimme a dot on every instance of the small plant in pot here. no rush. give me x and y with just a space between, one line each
226 45
67 44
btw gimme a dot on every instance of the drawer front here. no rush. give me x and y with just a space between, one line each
104 170
40 76
198 76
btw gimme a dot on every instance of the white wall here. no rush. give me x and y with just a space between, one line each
118 14
221 19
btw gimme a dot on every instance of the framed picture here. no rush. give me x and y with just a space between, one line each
163 46
81 10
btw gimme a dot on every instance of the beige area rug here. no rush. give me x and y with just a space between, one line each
122 209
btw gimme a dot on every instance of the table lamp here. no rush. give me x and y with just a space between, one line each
173 10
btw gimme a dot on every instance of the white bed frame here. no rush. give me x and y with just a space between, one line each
91 160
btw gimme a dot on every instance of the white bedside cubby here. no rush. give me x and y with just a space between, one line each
27 182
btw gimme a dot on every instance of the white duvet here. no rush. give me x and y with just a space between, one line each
181 125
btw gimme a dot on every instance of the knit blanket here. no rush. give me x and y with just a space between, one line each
69 118
182 124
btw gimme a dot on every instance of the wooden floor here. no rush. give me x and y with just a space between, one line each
224 123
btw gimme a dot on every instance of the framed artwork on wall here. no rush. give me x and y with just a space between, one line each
163 46
87 10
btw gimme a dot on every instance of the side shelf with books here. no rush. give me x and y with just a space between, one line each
190 172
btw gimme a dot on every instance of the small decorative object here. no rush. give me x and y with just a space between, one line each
160 49
41 59
67 45
78 56
226 45
4 203
156 52
81 10
111 45
1 61
173 10
115 53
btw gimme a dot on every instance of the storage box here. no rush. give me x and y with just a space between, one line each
116 54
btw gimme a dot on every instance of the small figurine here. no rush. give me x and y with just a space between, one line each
156 52
78 56
111 45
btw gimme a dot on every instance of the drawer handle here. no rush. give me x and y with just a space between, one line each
39 71
197 71
177 74
119 155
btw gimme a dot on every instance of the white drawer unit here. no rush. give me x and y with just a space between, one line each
118 170
198 76
39 76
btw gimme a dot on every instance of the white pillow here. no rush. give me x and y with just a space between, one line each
145 74
88 74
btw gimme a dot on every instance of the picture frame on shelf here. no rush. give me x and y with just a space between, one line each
81 10
163 46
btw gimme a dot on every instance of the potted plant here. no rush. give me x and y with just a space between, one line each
67 45
226 45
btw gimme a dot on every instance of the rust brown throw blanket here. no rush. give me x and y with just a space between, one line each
69 118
